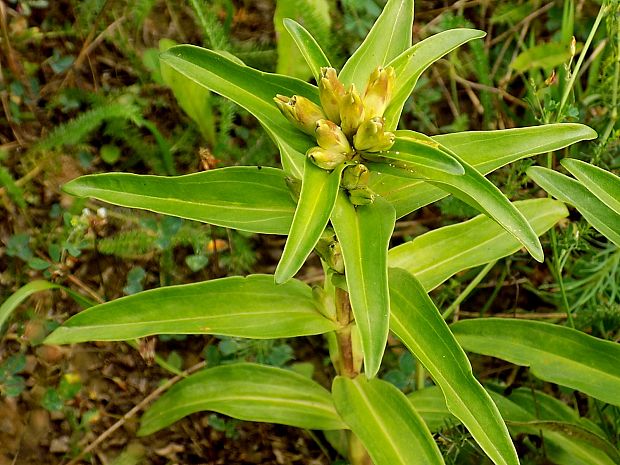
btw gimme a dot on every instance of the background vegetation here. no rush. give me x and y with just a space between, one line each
81 92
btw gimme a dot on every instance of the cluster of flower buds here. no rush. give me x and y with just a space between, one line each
330 251
346 125
355 180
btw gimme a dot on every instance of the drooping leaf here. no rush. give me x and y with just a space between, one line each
388 38
253 307
431 405
248 392
554 353
364 234
418 324
15 299
308 46
253 90
474 189
245 198
436 255
485 151
604 184
316 202
598 214
422 155
410 65
386 423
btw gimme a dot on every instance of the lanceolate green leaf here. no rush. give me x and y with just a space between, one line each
309 48
568 190
253 307
253 90
248 392
417 322
431 405
484 150
422 155
436 255
388 38
364 234
474 189
316 202
15 299
554 353
386 423
603 184
410 65
245 198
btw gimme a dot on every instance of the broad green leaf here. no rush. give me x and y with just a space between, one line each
554 353
410 65
484 150
388 38
364 234
386 423
417 323
15 299
565 443
422 155
475 190
600 216
194 99
436 255
316 202
603 184
308 46
247 198
253 90
546 56
431 406
248 392
252 307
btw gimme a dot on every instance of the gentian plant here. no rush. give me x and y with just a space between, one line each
348 174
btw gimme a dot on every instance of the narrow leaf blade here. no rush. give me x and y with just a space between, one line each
436 255
422 155
410 65
386 423
253 307
316 202
600 216
554 353
418 324
603 184
388 38
247 392
364 233
308 46
245 198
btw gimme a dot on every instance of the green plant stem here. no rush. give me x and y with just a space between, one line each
582 55
346 349
468 290
420 375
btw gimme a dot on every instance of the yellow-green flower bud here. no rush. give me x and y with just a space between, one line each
378 91
335 259
355 176
300 111
351 111
371 137
331 92
330 137
326 159
361 196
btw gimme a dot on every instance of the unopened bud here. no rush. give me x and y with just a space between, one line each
331 92
300 111
355 176
335 259
371 137
351 111
361 196
330 137
378 91
573 47
325 159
